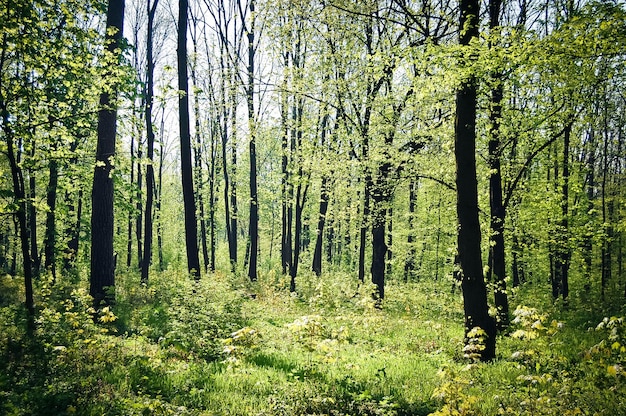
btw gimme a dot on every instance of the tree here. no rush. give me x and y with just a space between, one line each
150 187
497 264
468 237
253 229
102 277
191 225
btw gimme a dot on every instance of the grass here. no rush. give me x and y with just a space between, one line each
226 346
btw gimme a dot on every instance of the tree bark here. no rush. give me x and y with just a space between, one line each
51 200
473 286
409 263
191 225
253 231
102 278
497 263
19 196
150 188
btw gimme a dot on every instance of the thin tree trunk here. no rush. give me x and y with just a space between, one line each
388 261
253 232
32 219
159 194
317 253
563 252
409 263
587 245
129 238
19 195
139 202
51 199
150 188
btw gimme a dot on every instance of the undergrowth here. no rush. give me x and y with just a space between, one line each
227 346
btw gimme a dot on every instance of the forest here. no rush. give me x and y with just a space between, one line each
312 207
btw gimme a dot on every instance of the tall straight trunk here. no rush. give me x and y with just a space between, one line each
587 245
559 249
159 195
409 263
234 208
139 202
388 260
300 192
299 205
253 231
102 278
129 237
605 256
197 162
32 219
323 208
73 232
150 188
191 224
496 272
212 200
563 252
226 98
381 195
51 200
475 304
19 196
321 221
364 227
285 235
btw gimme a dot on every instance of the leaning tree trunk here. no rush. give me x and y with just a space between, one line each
475 304
102 278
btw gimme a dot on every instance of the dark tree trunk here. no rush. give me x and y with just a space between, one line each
73 232
199 176
19 196
364 227
497 265
191 224
587 245
150 188
253 232
409 263
389 257
139 202
381 195
212 199
129 237
32 220
515 265
562 253
317 254
102 278
159 193
475 303
230 195
51 200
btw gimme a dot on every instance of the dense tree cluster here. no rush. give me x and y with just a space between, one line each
379 137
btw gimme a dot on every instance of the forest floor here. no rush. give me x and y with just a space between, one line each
227 347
